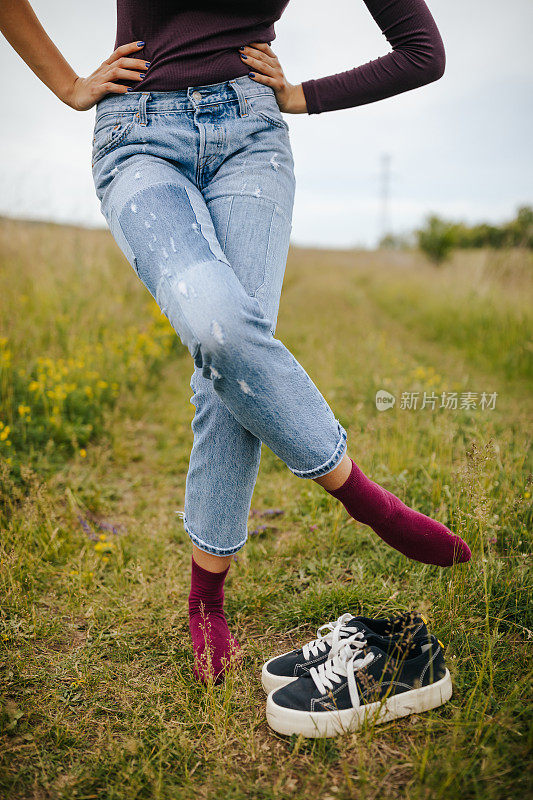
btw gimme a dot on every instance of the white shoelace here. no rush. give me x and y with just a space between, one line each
343 662
329 633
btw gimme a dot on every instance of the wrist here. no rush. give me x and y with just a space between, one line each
66 93
297 101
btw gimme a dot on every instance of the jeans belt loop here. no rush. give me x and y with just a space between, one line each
243 107
143 118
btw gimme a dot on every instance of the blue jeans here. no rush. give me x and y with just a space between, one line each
197 187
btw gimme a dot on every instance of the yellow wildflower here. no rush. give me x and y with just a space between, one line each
103 547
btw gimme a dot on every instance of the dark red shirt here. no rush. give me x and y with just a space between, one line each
192 44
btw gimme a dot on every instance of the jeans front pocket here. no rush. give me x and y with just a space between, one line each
265 105
110 130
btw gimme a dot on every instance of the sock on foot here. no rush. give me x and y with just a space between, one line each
412 533
212 642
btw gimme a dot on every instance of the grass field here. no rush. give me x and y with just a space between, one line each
97 698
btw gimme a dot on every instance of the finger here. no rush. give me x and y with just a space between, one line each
262 66
256 53
114 88
132 63
118 74
263 79
124 50
264 47
260 56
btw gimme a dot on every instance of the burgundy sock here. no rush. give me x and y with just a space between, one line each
213 645
412 533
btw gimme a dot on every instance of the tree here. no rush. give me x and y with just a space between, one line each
436 239
519 232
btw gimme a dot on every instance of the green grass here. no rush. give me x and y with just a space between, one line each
96 691
479 304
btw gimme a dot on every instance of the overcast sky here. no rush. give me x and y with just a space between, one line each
460 147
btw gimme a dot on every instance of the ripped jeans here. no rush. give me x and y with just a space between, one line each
197 187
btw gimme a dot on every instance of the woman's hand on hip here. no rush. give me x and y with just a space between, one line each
86 92
265 68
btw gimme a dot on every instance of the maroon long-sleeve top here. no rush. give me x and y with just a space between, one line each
192 44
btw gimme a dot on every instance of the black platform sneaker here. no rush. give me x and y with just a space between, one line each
355 685
283 669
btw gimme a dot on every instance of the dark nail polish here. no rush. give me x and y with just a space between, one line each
140 44
241 48
148 64
243 56
129 89
141 74
251 74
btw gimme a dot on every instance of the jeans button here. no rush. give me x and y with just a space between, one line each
196 96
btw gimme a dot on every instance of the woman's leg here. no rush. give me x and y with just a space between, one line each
213 645
412 533
224 453
252 221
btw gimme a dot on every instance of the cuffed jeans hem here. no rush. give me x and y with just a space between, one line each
330 464
208 548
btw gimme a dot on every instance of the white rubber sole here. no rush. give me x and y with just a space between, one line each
332 723
272 682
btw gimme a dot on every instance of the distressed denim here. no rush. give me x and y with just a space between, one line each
197 187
